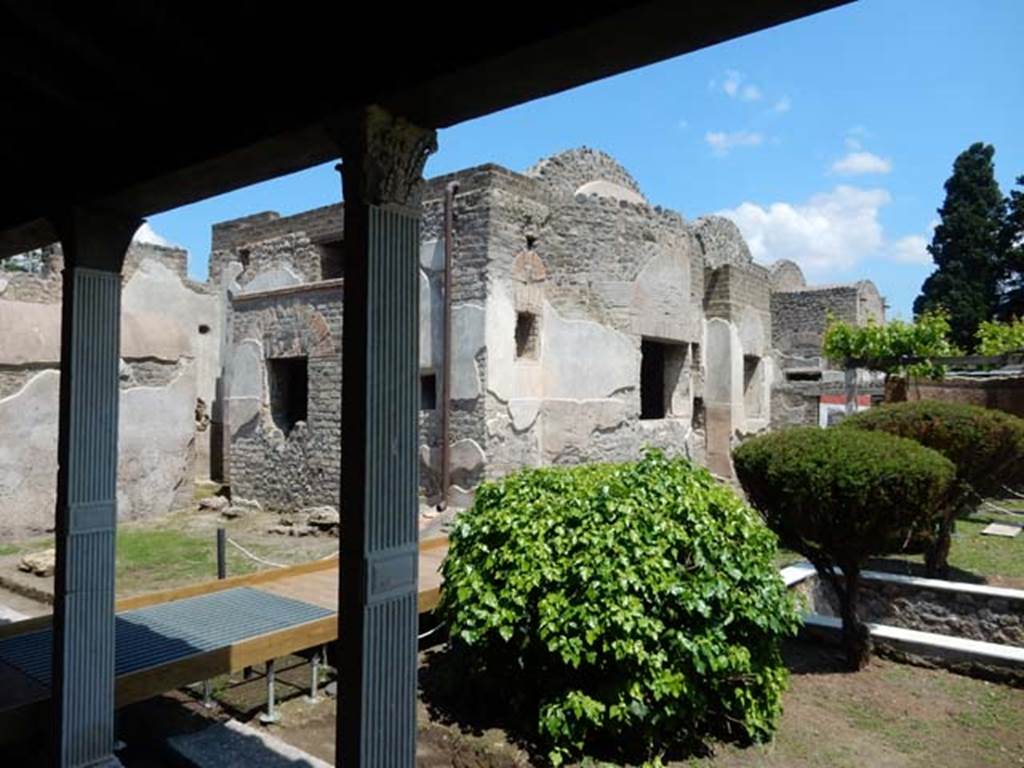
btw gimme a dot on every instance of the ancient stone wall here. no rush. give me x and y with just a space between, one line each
286 464
272 251
786 276
991 618
472 210
568 171
165 371
721 242
596 270
564 279
799 319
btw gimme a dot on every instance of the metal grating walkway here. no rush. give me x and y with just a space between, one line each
168 632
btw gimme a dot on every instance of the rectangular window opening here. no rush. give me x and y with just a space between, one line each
803 375
289 391
332 260
664 379
527 336
428 392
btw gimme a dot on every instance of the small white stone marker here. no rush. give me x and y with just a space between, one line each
1009 530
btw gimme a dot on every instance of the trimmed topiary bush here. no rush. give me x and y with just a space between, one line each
621 608
985 445
840 496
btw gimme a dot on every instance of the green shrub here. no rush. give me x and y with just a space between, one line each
985 445
631 606
840 496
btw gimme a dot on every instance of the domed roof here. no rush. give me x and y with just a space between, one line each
721 241
586 171
787 276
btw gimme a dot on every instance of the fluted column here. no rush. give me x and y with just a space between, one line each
383 159
94 244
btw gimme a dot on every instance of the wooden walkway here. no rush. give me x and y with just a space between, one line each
313 585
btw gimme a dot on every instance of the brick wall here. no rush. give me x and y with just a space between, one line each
301 468
1004 394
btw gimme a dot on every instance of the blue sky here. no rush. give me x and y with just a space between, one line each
828 139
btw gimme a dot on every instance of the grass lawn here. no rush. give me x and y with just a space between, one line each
885 715
180 549
974 557
158 558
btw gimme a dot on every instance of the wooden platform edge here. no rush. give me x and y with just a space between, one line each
209 587
427 600
146 683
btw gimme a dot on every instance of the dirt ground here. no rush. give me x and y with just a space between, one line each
889 715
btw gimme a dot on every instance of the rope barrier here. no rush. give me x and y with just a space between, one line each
251 556
431 631
1013 492
259 559
996 507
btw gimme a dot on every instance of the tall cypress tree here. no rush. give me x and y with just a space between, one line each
1012 302
968 246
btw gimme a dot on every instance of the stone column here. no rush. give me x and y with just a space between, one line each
94 245
383 159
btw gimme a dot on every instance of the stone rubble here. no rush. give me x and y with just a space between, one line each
39 563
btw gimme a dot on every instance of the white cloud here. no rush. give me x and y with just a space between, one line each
731 84
831 232
857 163
146 234
854 139
750 93
721 142
782 105
683 125
912 249
735 85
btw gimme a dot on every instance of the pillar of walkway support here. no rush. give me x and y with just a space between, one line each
94 244
383 159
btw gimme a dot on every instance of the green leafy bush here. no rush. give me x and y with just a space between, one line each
884 347
840 496
985 445
627 607
995 338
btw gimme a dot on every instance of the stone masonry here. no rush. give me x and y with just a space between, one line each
586 324
169 364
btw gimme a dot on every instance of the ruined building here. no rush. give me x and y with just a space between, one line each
586 323
170 358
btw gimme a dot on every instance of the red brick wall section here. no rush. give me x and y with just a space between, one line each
1005 394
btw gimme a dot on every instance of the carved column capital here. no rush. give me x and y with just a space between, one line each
95 238
383 157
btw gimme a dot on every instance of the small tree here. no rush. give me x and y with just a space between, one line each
985 445
994 338
631 607
840 496
885 347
